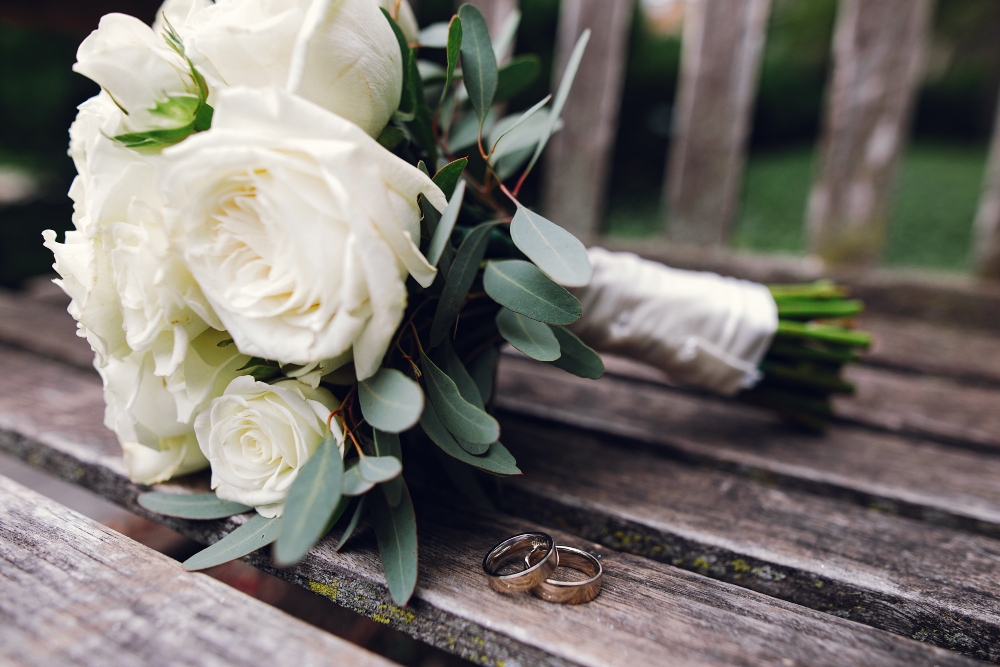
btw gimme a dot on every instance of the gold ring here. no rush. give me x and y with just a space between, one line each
571 592
526 545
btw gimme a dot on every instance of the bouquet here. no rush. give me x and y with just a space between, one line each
298 247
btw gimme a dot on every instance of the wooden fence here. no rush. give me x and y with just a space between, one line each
878 53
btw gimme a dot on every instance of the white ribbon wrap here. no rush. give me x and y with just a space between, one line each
700 328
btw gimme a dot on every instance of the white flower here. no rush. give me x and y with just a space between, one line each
347 59
258 436
341 54
150 81
405 17
299 228
141 411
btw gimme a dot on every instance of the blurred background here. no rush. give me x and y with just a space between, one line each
937 187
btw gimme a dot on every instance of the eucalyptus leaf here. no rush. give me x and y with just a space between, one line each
446 359
465 480
460 277
516 76
387 444
191 505
463 419
496 461
479 63
431 217
531 337
466 131
524 139
448 176
390 401
378 469
405 102
562 94
391 137
396 532
352 524
576 357
257 532
312 500
521 287
454 47
422 125
442 235
482 369
559 254
354 483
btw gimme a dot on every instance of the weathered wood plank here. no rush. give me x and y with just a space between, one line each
648 613
578 158
953 300
75 592
878 52
720 69
894 573
986 240
917 478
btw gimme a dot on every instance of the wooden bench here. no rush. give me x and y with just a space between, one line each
75 592
727 538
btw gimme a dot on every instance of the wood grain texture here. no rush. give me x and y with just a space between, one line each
878 52
720 70
894 573
918 478
647 613
986 240
578 158
75 592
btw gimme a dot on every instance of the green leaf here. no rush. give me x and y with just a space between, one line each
442 235
447 177
405 103
352 524
191 505
391 137
354 483
531 337
378 469
454 46
463 419
516 76
460 277
390 401
257 532
422 125
559 254
482 370
576 357
396 532
431 217
203 119
422 166
521 287
448 361
526 138
387 444
496 461
465 480
466 131
479 64
311 502
572 65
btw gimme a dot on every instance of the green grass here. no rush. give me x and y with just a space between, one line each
931 224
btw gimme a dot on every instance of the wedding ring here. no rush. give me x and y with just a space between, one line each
571 592
538 547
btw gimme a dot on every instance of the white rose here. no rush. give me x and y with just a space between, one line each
341 54
258 436
176 457
147 78
211 362
347 59
299 228
405 17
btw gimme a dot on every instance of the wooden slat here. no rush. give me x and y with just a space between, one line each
890 572
75 592
878 51
648 613
578 159
938 483
720 69
986 241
